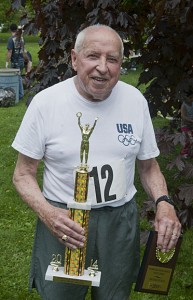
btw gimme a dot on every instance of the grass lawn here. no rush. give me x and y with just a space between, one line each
17 221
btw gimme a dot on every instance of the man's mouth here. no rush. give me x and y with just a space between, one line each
99 79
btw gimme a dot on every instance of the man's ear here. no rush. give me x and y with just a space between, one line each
73 59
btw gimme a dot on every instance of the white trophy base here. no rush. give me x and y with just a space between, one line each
85 279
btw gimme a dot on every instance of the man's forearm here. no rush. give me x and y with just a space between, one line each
152 180
29 190
8 56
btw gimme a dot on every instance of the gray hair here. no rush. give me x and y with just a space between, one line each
81 36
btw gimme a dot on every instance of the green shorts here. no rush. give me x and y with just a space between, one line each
113 241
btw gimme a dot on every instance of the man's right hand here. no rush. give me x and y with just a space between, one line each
56 219
60 224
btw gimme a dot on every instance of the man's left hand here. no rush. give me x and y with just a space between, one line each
167 225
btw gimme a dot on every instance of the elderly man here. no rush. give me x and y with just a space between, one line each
49 132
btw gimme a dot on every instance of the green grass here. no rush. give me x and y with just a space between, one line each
17 221
28 38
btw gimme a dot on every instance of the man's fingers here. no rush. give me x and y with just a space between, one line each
167 239
67 231
73 244
74 227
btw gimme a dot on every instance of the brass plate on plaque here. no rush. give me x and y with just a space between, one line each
156 276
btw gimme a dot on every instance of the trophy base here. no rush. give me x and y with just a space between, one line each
85 279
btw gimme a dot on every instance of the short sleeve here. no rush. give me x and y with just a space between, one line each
10 44
148 148
30 138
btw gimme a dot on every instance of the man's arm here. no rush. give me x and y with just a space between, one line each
56 219
8 57
166 221
10 49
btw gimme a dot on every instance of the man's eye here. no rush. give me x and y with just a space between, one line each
92 56
112 59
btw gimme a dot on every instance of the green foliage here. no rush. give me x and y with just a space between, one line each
170 142
167 57
4 6
9 15
132 78
166 61
166 25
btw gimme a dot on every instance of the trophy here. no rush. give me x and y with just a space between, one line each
74 260
157 268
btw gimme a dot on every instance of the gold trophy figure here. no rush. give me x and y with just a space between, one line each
86 133
74 262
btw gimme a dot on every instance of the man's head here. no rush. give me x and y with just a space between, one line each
19 33
97 58
13 27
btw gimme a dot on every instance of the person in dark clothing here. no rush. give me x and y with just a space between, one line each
15 53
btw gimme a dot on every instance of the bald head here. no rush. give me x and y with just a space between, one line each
84 34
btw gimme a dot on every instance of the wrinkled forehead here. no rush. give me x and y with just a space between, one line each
102 38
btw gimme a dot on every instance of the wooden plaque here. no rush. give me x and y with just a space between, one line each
155 276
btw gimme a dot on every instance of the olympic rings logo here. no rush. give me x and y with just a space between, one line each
127 140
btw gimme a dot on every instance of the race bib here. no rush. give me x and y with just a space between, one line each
107 183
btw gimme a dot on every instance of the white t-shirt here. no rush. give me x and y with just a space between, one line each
123 132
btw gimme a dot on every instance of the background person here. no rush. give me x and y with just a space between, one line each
113 238
15 53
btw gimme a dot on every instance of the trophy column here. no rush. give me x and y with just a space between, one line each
74 262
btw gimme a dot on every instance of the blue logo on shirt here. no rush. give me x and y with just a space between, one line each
126 138
124 128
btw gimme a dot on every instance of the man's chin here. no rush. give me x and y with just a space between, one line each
99 95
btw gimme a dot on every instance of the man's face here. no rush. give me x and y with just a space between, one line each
97 64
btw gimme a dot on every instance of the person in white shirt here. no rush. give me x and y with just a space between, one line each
122 137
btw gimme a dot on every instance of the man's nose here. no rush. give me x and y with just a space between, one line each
102 65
